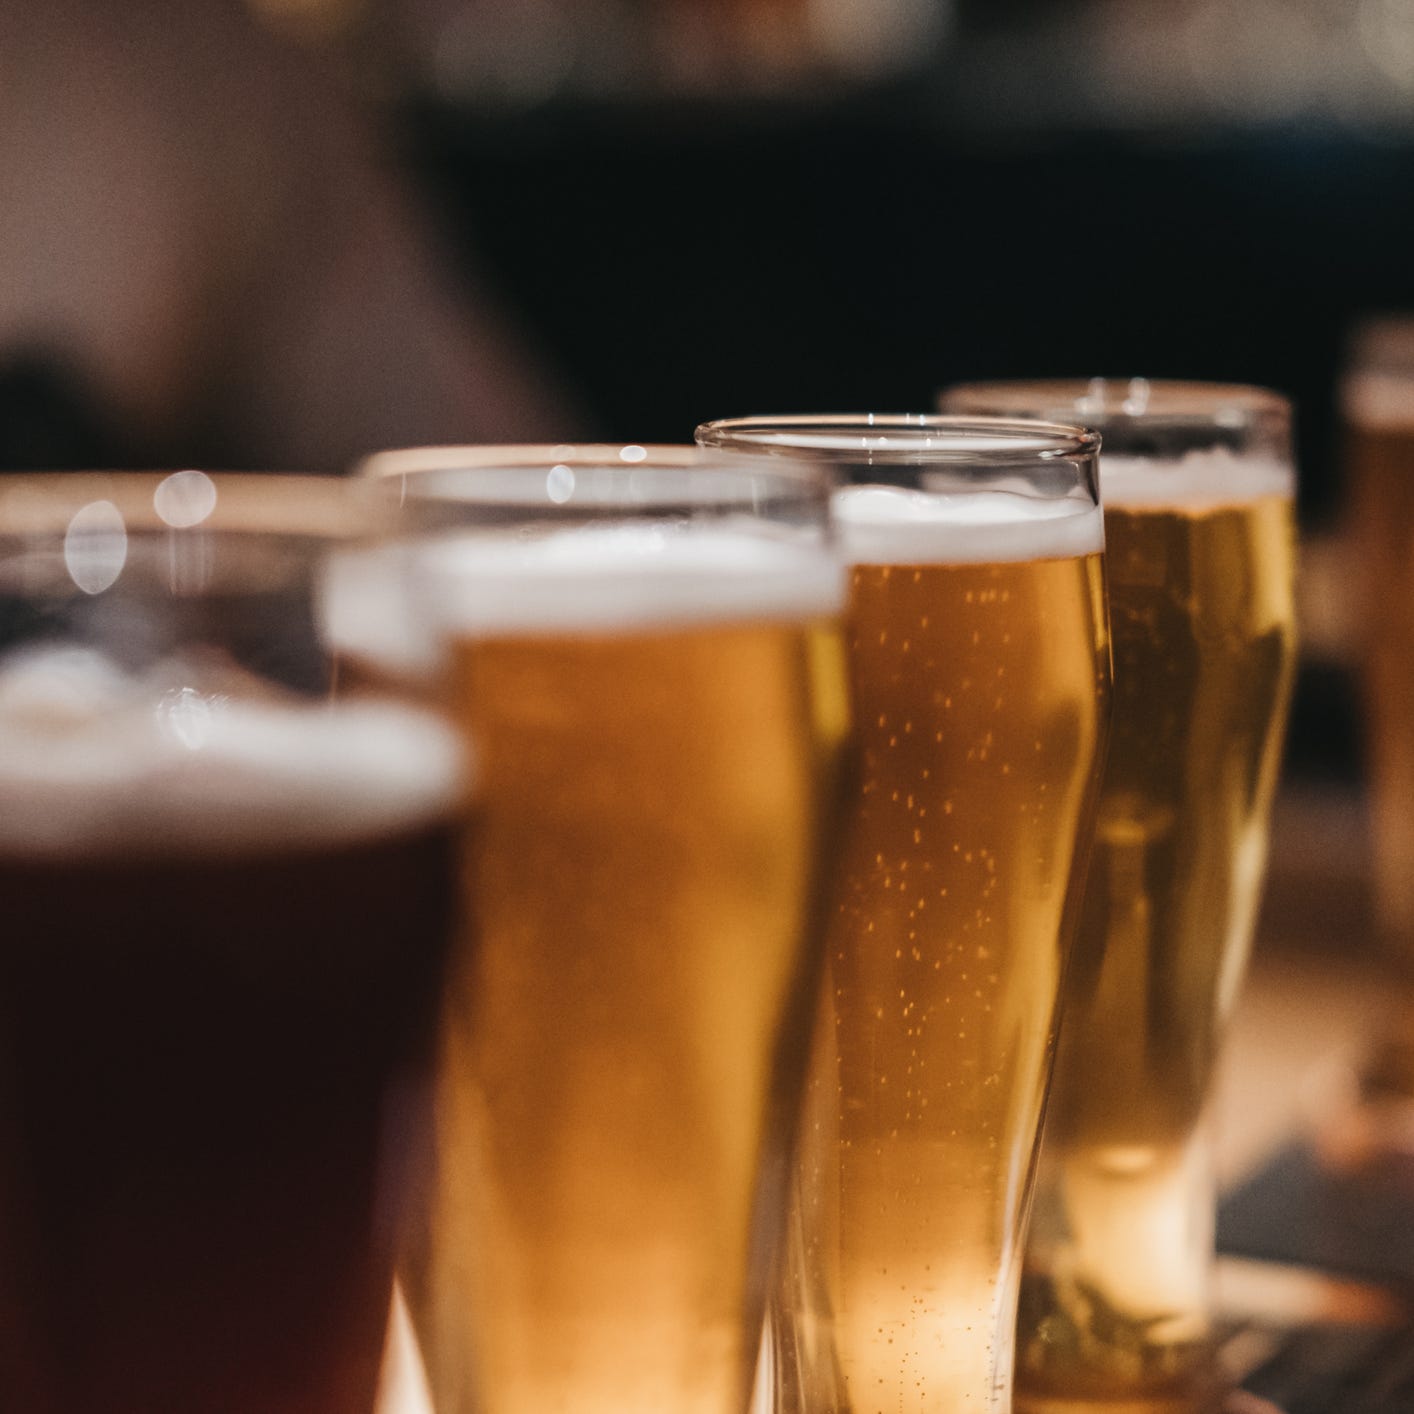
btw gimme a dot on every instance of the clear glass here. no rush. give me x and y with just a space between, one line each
229 893
980 670
644 652
1378 411
1197 483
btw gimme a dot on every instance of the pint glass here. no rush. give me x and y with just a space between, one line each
645 656
979 663
228 895
1197 485
1378 411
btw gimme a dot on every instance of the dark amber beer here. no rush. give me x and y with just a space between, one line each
227 908
979 668
1378 408
657 707
1197 486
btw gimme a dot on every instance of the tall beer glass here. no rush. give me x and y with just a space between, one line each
1378 410
1197 485
979 662
646 657
227 900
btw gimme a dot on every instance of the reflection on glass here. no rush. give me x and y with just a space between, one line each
96 546
184 499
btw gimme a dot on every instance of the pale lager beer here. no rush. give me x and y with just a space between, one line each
979 666
657 710
1200 554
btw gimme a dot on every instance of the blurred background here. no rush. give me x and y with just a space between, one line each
718 206
283 233
649 212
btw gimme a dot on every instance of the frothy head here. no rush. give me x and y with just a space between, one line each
94 762
625 578
882 525
1200 481
1380 399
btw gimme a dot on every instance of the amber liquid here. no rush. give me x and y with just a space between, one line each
623 1049
1382 491
212 1081
981 695
1114 1304
1381 470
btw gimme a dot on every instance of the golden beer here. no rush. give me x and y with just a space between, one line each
980 692
1203 665
979 669
1200 558
658 714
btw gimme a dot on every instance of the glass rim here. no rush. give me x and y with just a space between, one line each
1172 401
474 456
600 477
940 439
188 500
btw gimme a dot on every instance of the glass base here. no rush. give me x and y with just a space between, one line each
1229 1402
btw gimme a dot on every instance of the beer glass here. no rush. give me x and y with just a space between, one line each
228 895
1377 399
644 651
1197 485
979 664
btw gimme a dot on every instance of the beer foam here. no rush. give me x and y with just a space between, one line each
1379 399
1200 481
97 762
890 525
593 578
366 611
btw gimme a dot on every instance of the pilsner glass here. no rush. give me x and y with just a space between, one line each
645 653
979 661
1197 485
1378 413
228 898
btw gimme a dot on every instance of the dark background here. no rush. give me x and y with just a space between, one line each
860 256
1044 191
1004 209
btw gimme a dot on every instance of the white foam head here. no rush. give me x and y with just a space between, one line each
882 525
627 577
1380 399
366 611
1201 481
94 762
